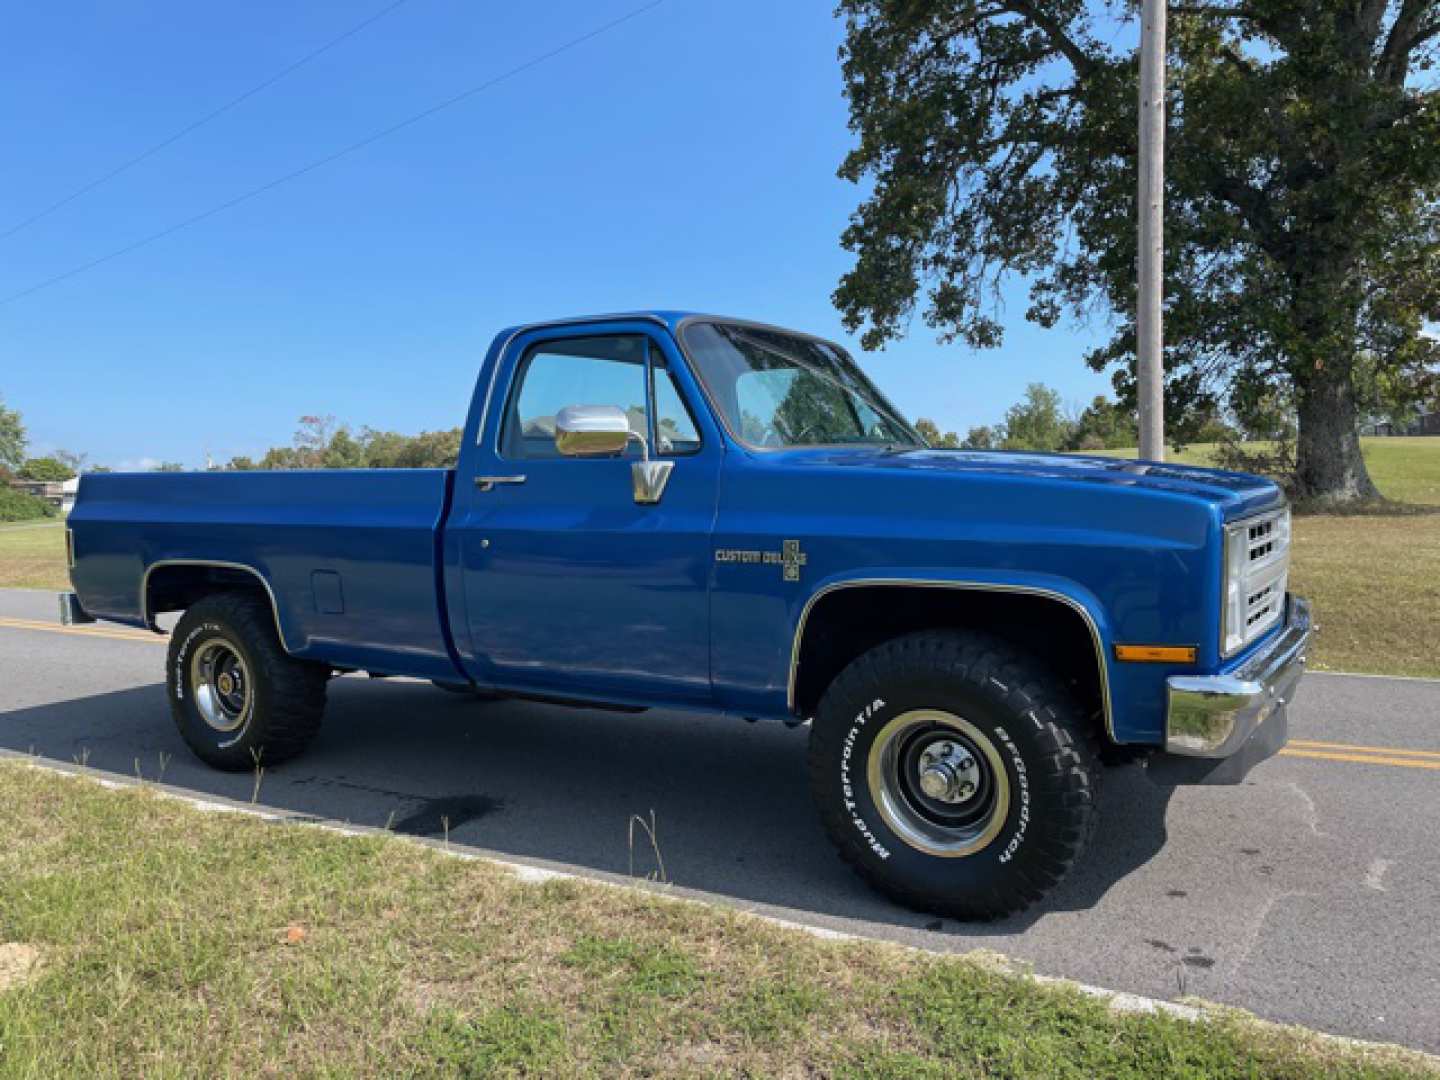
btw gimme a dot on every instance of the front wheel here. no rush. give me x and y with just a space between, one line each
953 773
239 699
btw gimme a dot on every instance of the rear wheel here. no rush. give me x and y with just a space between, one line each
238 699
953 773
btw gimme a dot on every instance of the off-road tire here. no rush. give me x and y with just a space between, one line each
1047 750
288 694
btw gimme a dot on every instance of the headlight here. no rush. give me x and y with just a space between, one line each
1257 571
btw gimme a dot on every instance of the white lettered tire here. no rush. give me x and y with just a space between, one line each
953 773
238 699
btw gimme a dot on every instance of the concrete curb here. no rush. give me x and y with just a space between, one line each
1118 1001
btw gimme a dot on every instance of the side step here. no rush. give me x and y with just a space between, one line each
71 613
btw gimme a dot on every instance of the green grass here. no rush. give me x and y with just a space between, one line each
1405 468
32 556
1374 577
175 942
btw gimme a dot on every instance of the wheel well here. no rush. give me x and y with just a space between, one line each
846 622
180 585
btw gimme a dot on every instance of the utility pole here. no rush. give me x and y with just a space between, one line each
1150 370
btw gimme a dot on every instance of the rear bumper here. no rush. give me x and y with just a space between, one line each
71 613
1237 719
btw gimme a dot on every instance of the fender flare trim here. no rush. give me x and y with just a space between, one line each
149 618
959 586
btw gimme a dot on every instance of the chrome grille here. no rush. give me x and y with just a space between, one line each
1257 565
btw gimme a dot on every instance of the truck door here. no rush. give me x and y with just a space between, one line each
572 586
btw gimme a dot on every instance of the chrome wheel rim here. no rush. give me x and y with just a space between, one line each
221 683
939 782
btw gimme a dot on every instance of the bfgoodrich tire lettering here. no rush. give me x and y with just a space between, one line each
953 773
236 696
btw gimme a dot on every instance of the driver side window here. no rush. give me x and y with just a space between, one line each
595 371
576 371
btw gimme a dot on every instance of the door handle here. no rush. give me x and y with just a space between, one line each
487 483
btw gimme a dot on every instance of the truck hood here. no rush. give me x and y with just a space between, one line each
1237 494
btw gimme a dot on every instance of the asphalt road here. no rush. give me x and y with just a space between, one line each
1310 894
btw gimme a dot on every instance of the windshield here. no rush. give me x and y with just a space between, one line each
777 389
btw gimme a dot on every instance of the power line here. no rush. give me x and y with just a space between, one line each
336 156
152 151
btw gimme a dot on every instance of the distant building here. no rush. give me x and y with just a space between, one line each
1424 424
58 493
49 490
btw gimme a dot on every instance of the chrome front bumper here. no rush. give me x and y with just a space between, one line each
1217 716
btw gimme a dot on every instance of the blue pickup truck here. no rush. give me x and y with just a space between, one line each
678 511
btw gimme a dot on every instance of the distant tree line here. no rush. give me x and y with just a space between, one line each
1257 434
16 464
322 443
1039 421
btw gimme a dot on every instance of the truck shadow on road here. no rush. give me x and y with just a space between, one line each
731 811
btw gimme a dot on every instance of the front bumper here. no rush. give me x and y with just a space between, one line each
1238 719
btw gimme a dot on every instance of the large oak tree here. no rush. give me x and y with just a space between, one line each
1302 187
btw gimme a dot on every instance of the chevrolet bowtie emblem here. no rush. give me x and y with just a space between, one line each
789 558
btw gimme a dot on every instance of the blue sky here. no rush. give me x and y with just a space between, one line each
684 159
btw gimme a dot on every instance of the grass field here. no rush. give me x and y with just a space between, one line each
1374 577
146 937
32 556
1406 469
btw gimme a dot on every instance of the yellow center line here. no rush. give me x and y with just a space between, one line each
116 634
1309 744
1363 759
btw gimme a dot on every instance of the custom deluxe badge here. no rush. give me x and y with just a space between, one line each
789 558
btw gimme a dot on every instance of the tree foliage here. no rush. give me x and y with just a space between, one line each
321 443
983 437
45 468
1302 192
18 505
931 434
1103 425
1039 422
12 439
1036 422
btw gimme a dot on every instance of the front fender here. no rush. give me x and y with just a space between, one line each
1048 586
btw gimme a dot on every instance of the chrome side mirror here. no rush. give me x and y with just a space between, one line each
603 431
591 430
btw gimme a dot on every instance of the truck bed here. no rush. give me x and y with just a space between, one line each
350 558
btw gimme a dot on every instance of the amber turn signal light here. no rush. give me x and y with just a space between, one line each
1156 654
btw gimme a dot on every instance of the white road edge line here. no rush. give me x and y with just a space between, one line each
1118 1001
